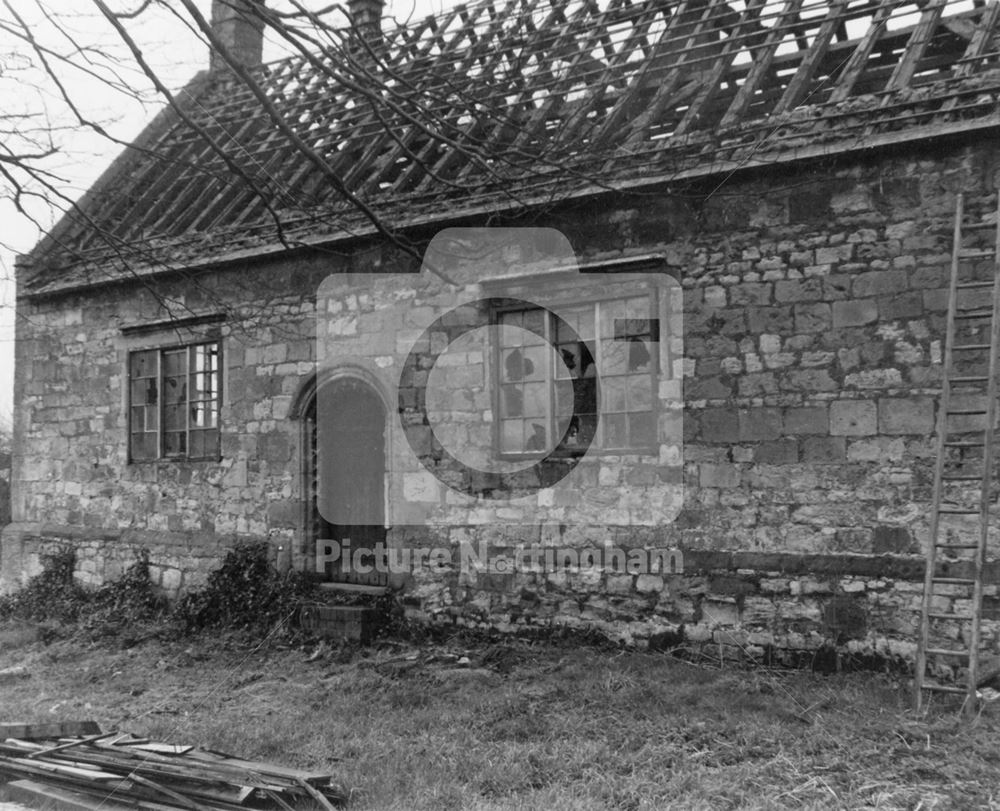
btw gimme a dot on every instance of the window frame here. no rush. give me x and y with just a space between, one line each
597 447
189 349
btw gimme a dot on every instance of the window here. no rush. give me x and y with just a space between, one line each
560 386
174 399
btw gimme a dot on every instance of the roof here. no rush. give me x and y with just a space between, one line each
499 105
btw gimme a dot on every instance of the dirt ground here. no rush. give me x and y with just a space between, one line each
513 725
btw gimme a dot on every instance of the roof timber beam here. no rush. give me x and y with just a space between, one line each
713 80
611 75
981 37
375 160
798 87
623 109
959 26
425 164
762 64
415 145
510 120
698 38
859 59
915 48
551 106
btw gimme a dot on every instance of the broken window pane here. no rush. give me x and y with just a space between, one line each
516 366
639 355
535 437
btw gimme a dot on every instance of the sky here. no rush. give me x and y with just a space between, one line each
170 47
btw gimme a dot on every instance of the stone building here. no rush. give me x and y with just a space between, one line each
235 324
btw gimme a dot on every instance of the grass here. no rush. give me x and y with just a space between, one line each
554 726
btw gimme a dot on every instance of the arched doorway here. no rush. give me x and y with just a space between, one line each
345 455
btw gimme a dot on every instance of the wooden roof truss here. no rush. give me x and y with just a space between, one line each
504 98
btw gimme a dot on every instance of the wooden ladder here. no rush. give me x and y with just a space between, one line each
964 454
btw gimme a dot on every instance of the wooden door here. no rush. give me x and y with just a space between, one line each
346 478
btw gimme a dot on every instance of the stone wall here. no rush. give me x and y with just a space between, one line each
814 314
71 473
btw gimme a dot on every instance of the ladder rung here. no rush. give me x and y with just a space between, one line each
967 411
971 478
957 511
970 346
965 253
963 443
944 688
954 581
946 652
970 379
957 545
963 617
975 226
975 314
974 285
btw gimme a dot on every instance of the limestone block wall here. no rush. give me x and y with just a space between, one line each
814 318
814 305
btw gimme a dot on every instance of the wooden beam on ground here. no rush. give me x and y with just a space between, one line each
71 744
63 729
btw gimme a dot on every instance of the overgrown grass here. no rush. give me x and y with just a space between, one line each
529 726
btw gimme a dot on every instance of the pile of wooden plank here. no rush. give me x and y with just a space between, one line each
76 766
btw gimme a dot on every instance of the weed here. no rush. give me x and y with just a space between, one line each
244 593
126 603
52 594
